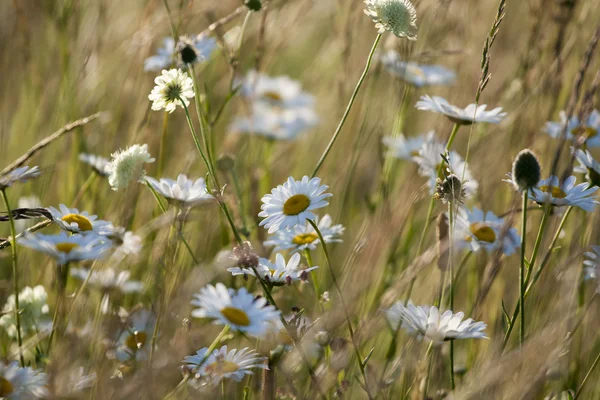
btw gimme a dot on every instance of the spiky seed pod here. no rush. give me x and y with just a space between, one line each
526 170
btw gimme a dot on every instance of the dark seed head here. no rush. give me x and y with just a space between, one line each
526 170
186 51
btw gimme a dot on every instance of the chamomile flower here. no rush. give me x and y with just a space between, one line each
463 116
405 148
278 273
477 230
236 308
293 203
415 74
591 268
127 243
396 16
429 160
279 91
134 340
75 221
108 280
203 46
588 166
275 123
21 174
127 165
171 88
183 191
18 383
564 194
33 312
427 322
223 364
66 248
590 128
394 316
98 163
303 237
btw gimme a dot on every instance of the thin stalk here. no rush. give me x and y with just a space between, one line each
347 315
313 275
84 188
522 269
163 144
349 107
240 195
15 273
451 217
455 129
587 377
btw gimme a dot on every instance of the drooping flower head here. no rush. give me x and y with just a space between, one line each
292 203
128 165
236 308
464 116
396 16
171 88
278 273
427 322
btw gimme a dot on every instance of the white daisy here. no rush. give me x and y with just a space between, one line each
238 309
418 75
222 364
590 128
588 166
476 230
565 194
75 221
127 165
98 163
108 279
128 243
18 383
394 317
275 123
171 86
428 322
134 340
429 160
278 91
591 268
396 16
463 116
406 148
66 248
292 203
184 191
204 46
278 273
33 312
302 237
21 174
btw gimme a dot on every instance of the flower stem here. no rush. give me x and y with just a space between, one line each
347 315
163 140
522 269
587 377
313 275
15 273
349 107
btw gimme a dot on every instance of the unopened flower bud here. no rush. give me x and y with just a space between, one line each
526 170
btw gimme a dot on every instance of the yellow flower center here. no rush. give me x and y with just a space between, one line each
586 131
296 204
483 232
222 367
136 340
6 387
304 238
66 247
273 96
82 222
236 316
555 191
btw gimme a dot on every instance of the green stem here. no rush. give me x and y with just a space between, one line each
349 107
313 275
84 188
346 313
206 137
587 377
15 273
451 261
522 269
163 141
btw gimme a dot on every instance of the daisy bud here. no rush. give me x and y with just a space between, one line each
128 165
396 16
226 162
526 170
450 190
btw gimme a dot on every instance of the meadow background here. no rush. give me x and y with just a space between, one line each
63 60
